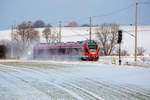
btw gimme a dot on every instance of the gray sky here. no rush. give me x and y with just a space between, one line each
53 11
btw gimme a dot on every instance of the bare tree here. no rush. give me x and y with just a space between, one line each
47 34
123 52
108 35
26 33
25 36
140 51
50 35
54 37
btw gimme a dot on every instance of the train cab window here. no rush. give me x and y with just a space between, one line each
92 47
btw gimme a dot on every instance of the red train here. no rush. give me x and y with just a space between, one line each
83 50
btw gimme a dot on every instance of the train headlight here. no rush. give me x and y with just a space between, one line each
93 53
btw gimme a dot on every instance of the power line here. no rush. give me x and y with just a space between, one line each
143 2
129 33
86 34
106 14
115 12
103 15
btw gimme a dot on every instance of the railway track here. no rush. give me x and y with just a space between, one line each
56 83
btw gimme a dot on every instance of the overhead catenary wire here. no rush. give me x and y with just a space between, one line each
102 15
118 11
114 12
98 15
86 34
143 2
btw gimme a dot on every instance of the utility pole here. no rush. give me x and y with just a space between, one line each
135 58
90 32
30 25
12 38
12 30
59 31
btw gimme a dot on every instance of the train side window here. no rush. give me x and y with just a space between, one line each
54 51
39 51
69 51
62 51
76 51
80 51
46 52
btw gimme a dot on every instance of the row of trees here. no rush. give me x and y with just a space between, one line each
41 23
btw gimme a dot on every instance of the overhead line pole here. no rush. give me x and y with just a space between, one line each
90 32
59 31
12 29
135 58
12 38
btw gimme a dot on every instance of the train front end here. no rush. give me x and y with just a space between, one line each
91 50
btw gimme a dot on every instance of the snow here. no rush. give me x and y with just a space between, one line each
5 35
71 80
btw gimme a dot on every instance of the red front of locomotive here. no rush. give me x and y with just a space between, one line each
91 51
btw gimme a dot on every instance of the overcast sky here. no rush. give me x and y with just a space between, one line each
53 11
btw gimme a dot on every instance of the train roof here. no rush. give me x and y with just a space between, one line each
78 43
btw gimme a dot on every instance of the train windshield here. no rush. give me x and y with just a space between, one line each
92 47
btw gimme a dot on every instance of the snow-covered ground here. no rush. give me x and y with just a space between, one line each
142 61
67 80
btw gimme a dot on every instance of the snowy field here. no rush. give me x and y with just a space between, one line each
66 80
82 33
